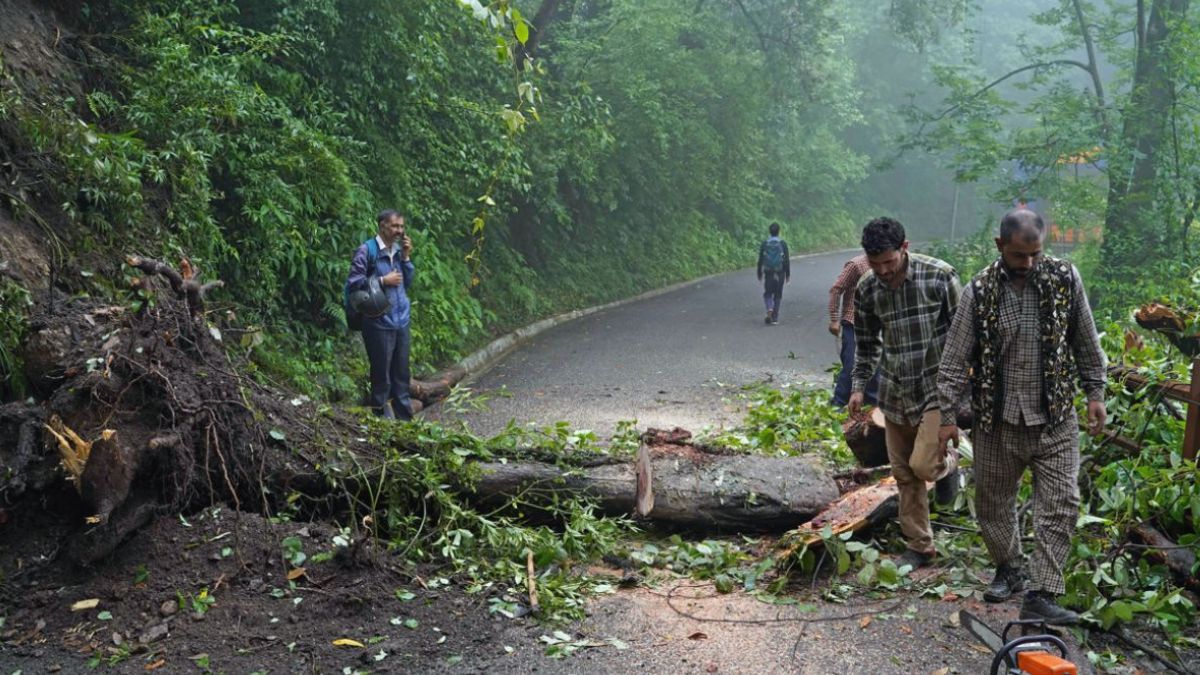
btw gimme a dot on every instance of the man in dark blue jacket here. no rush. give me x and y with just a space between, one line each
387 336
774 270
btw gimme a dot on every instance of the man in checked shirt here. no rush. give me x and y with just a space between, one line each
903 309
1025 327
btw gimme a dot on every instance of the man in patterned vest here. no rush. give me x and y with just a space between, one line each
1025 327
902 313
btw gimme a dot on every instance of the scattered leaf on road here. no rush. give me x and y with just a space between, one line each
295 574
866 621
347 642
698 636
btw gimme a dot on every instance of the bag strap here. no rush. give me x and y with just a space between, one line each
372 254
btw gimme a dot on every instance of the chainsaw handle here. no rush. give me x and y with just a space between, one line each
1040 624
1002 655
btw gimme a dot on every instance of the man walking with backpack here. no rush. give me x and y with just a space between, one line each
774 270
382 265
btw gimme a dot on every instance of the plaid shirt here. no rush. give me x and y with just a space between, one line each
1020 353
841 294
902 331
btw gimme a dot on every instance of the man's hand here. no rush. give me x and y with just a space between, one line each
1097 415
947 434
835 328
406 247
392 278
855 404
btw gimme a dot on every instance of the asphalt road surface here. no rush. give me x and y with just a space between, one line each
669 360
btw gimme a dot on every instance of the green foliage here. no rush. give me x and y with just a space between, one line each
728 564
639 145
968 256
788 421
15 304
417 501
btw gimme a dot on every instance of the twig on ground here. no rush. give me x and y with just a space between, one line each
1119 633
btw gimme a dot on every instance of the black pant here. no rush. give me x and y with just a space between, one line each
387 352
773 292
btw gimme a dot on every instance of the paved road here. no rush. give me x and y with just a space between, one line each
663 360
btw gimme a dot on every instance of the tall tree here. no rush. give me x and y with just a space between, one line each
1132 224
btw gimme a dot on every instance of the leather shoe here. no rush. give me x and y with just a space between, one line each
1009 579
914 559
1043 606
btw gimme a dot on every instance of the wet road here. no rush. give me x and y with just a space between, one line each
667 360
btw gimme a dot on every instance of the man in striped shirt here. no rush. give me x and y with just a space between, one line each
903 310
841 325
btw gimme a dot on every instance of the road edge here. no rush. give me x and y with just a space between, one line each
483 359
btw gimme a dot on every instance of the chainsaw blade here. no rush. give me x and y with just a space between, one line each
990 638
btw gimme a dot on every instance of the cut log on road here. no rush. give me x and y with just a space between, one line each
691 488
865 435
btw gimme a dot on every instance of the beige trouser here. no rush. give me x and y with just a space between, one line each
913 452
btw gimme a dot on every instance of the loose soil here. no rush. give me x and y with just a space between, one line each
145 618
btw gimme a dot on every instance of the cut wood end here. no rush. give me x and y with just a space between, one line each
877 417
73 451
90 603
531 583
644 499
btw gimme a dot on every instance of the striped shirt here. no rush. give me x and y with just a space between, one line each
902 331
1023 398
841 294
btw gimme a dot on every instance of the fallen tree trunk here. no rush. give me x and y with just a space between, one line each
1178 559
691 488
437 387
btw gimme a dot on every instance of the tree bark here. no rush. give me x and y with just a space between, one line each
692 488
1131 231
541 21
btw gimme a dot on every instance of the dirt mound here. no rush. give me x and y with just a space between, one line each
149 415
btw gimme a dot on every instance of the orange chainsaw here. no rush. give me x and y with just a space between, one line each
1027 654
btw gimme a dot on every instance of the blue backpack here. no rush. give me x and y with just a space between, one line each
354 318
773 255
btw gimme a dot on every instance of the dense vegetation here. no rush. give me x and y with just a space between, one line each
617 147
